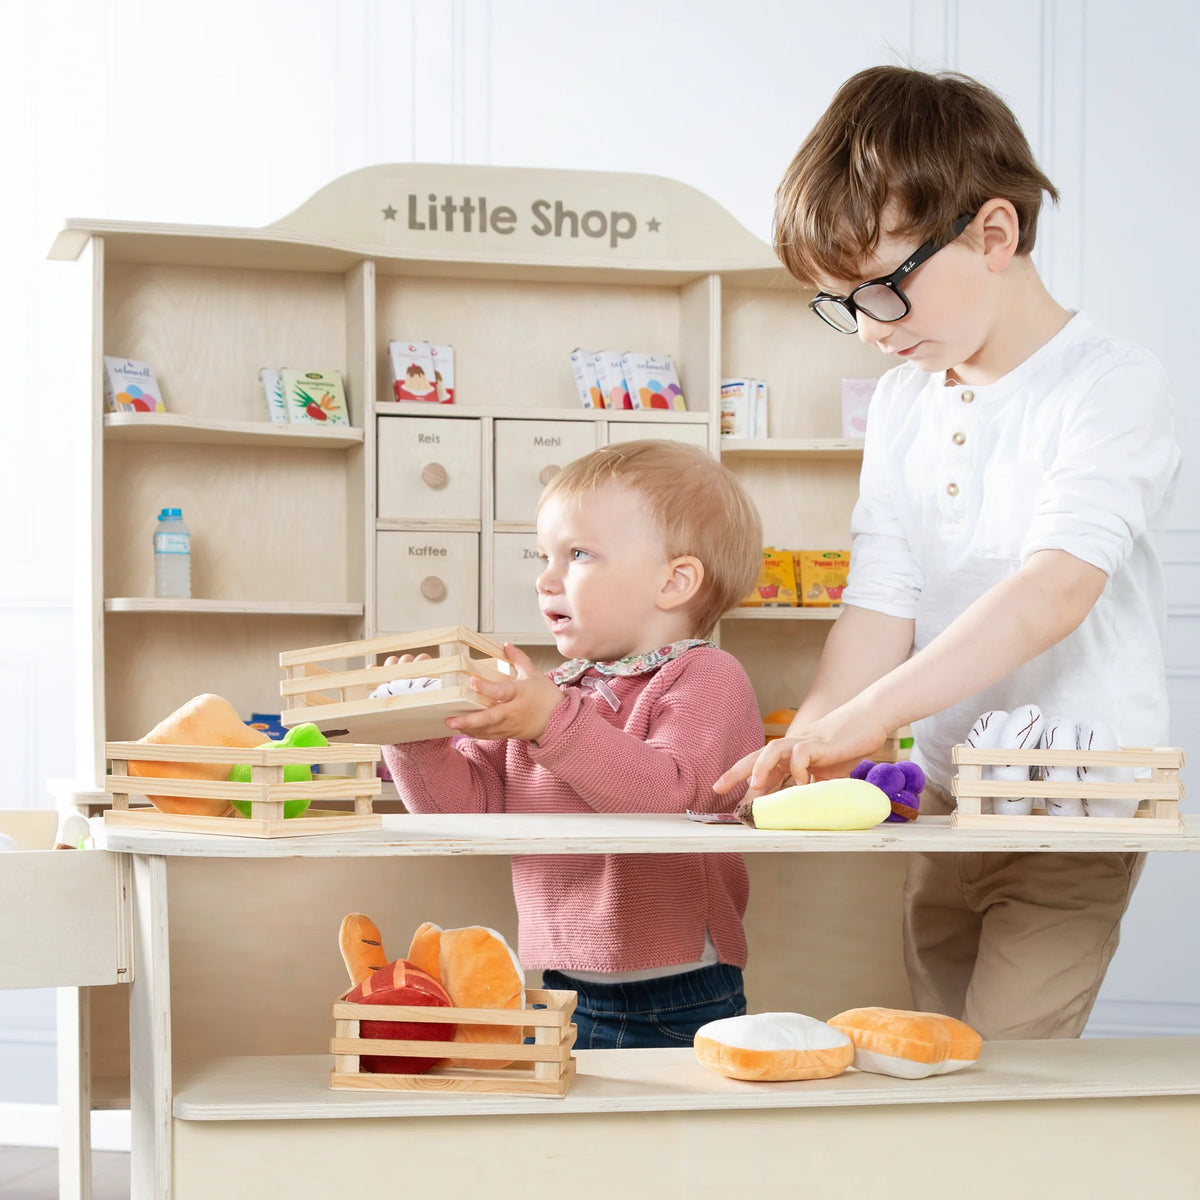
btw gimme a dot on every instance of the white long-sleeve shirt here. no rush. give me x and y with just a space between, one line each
1073 450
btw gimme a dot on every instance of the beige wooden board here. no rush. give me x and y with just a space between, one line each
801 449
528 455
310 823
648 833
1035 823
516 569
414 717
426 578
66 912
177 427
780 654
678 431
665 1080
429 468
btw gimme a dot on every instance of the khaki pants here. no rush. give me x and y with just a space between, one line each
1015 945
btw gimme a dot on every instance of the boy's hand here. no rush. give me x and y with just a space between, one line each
827 749
521 706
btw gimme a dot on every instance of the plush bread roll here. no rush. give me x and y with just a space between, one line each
1061 733
1094 734
362 947
1021 731
773 1046
984 735
909 1045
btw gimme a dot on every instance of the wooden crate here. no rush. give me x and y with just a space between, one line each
266 791
1158 796
544 1068
339 703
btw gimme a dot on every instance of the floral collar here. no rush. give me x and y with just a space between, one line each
631 664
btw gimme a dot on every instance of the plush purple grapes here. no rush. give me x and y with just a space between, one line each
901 782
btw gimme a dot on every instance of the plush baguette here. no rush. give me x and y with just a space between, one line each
362 947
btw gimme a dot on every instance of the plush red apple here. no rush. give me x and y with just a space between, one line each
401 983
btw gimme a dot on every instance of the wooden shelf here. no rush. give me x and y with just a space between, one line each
265 608
199 431
393 408
829 449
444 835
271 1088
783 614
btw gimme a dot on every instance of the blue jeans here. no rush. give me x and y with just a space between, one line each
654 1012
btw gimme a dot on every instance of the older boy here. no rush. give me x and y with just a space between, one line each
1014 464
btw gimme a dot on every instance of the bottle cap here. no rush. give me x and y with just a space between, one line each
171 514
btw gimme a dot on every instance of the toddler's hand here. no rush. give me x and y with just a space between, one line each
521 706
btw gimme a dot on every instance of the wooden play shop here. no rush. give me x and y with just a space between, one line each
201 981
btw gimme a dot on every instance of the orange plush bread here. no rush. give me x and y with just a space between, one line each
205 720
362 947
479 970
773 1046
400 983
909 1045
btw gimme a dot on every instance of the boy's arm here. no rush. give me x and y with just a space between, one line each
1037 606
705 717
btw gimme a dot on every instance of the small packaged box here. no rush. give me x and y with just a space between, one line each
776 586
737 396
759 409
583 367
270 383
130 386
314 396
856 395
443 372
610 376
414 377
653 381
821 575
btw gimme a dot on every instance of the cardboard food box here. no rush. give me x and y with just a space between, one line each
821 575
776 586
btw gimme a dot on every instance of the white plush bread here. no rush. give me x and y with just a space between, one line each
1061 733
984 735
909 1045
1021 731
773 1046
1096 735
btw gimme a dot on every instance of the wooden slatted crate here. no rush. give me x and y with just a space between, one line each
544 1067
1158 795
339 702
266 792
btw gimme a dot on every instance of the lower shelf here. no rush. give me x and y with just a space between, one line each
297 1087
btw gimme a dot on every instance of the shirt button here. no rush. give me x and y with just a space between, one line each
952 489
967 397
959 438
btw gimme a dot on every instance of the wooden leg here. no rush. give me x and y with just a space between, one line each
150 1034
74 1094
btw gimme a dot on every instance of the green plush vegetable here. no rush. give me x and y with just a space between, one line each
299 736
828 804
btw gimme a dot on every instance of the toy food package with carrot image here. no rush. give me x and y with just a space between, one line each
314 396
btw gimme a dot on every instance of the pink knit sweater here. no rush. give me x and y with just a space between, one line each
676 730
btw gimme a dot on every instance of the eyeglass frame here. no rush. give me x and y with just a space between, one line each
892 282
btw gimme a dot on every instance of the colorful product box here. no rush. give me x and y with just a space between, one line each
443 372
130 386
414 376
776 586
270 383
759 409
736 399
610 375
653 381
821 575
587 385
314 397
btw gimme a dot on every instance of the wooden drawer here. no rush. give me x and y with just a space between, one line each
694 434
64 914
528 455
514 594
429 469
426 579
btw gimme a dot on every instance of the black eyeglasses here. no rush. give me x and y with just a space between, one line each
880 299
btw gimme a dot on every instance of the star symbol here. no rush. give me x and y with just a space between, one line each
389 213
653 224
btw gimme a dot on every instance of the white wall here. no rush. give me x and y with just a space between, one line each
232 113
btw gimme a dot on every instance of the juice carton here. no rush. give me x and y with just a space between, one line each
653 382
610 376
583 367
776 586
414 377
130 386
314 396
822 576
737 397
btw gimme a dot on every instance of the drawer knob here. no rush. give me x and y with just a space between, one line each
433 589
435 476
547 473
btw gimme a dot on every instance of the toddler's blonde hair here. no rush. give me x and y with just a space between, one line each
698 505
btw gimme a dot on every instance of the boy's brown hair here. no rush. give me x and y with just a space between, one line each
698 504
934 146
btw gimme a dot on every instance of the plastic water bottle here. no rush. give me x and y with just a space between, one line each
172 556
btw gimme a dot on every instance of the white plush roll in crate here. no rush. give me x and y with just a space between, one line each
1158 791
